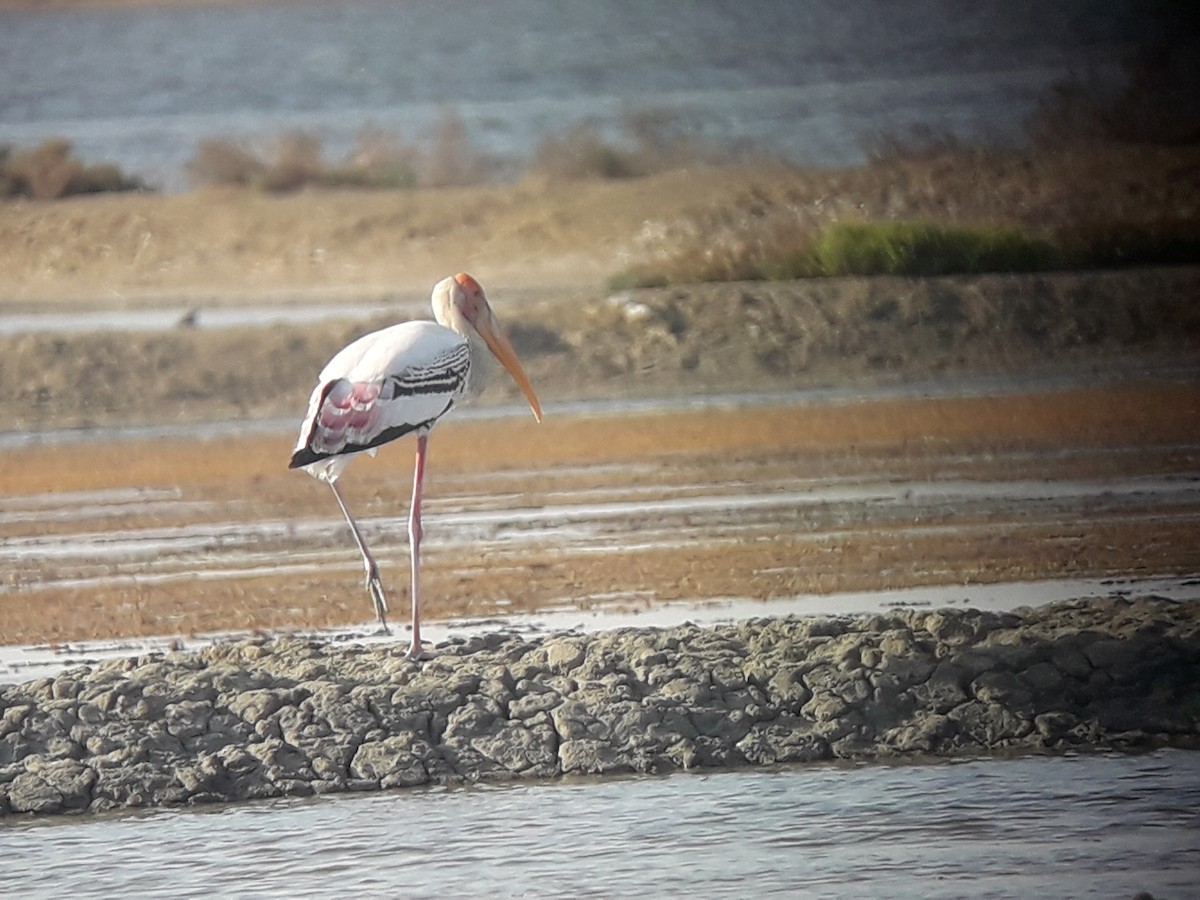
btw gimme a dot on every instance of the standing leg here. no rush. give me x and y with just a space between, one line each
414 543
374 585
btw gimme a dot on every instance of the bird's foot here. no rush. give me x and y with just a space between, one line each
417 653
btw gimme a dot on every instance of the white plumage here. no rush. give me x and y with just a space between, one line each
384 385
397 381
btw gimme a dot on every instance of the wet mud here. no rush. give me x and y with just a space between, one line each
188 537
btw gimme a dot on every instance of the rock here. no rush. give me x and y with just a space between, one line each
786 689
1002 689
788 739
1112 653
925 733
390 762
263 718
564 655
944 689
56 786
1056 725
989 725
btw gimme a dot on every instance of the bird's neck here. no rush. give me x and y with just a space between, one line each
479 375
480 371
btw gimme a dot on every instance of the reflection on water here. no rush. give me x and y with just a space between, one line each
1104 825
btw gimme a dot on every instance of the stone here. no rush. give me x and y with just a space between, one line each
265 718
788 739
564 655
390 762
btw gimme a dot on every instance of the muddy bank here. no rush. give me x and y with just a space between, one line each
652 342
261 718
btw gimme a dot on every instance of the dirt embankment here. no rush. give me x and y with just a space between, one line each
669 341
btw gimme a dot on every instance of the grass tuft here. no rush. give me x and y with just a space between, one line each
927 248
914 249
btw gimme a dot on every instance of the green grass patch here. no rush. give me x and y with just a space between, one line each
921 249
926 248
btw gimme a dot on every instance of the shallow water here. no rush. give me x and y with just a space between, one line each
1104 826
170 318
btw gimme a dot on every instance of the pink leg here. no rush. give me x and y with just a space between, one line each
414 542
374 584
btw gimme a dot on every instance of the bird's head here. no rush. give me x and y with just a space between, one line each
460 304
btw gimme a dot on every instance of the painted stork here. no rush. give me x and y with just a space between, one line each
397 381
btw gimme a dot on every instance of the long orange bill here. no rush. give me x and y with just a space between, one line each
503 351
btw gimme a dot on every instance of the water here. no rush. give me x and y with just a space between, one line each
142 86
162 319
1103 826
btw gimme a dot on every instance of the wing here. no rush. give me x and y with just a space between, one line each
381 387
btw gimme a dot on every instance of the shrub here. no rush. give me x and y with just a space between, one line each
654 141
379 159
224 161
916 143
298 162
295 160
580 153
452 160
51 170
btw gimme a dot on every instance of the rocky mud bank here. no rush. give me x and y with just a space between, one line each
270 718
653 342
